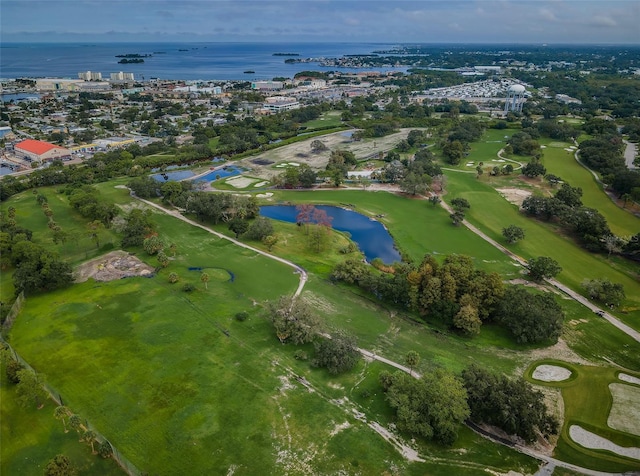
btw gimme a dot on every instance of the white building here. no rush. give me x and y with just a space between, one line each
90 76
56 84
267 85
280 103
121 76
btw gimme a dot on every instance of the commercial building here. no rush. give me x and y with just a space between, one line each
280 103
41 151
90 76
122 76
267 85
56 84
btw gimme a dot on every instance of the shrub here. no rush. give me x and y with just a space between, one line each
188 287
242 316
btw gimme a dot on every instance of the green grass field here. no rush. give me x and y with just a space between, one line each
491 213
560 162
31 437
588 402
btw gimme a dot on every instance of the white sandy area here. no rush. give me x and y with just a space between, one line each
260 184
514 195
265 195
551 373
624 415
240 181
338 428
629 378
591 440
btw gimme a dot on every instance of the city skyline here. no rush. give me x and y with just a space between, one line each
480 21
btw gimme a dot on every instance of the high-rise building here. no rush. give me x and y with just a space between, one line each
90 76
121 76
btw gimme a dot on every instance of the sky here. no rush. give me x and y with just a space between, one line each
399 21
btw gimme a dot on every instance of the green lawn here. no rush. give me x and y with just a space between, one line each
587 402
328 119
491 213
562 163
31 437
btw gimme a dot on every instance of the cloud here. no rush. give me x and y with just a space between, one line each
548 15
602 21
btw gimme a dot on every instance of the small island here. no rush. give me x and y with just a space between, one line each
131 61
286 54
133 55
249 71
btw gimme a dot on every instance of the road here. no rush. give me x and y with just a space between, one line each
630 154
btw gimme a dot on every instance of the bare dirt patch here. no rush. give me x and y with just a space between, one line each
115 265
514 195
624 415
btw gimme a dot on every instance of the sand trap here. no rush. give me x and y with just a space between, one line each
629 378
260 184
264 195
514 195
240 182
624 415
591 440
551 373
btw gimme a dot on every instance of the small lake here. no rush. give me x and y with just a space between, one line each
370 235
188 174
173 176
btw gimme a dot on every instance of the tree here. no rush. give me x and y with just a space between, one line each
453 152
531 318
204 277
293 320
138 225
75 422
163 259
29 389
318 146
510 404
105 450
434 200
534 169
94 229
89 436
337 354
173 278
479 171
432 407
467 320
270 241
415 184
513 233
457 217
152 245
412 359
238 226
460 204
604 291
60 465
543 267
62 413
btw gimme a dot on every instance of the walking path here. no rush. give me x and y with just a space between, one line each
408 452
571 293
630 154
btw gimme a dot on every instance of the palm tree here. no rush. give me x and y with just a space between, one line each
412 359
61 413
75 422
89 437
204 277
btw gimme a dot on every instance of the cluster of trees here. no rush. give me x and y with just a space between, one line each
36 268
459 295
604 153
219 207
565 208
457 144
521 143
604 291
88 202
510 404
295 322
433 406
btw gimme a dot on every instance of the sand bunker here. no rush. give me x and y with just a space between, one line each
593 441
240 181
629 378
551 373
624 415
114 265
514 195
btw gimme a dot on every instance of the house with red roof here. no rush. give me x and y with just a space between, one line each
41 151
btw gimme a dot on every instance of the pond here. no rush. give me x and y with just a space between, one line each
370 235
188 174
173 176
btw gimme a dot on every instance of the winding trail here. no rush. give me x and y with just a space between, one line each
180 216
408 452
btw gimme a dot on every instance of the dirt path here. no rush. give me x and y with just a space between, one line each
630 154
180 216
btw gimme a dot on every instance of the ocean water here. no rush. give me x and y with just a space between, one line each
189 61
